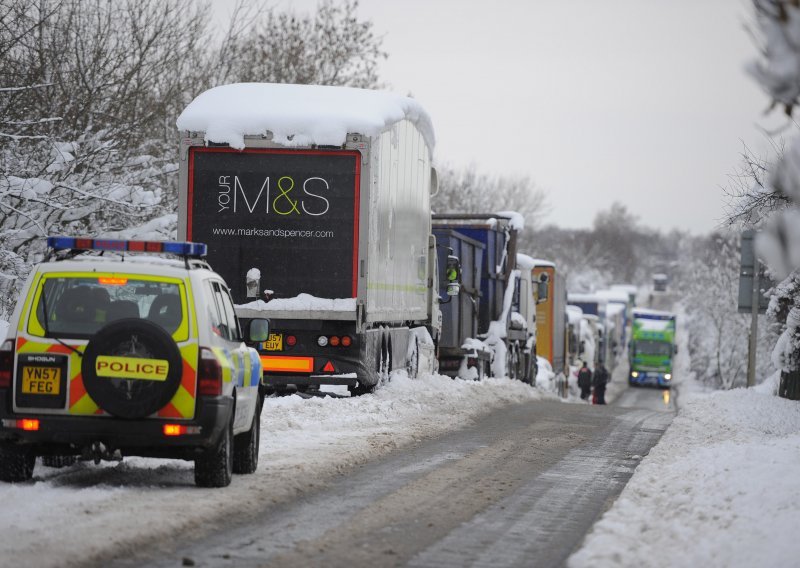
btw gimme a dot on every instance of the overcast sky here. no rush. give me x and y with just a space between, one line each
644 102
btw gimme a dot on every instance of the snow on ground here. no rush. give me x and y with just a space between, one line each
304 441
721 488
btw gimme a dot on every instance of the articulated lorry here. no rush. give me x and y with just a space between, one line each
506 317
459 352
552 341
652 347
315 206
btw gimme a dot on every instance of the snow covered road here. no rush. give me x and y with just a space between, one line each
93 513
518 487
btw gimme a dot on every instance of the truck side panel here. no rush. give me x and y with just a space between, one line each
398 227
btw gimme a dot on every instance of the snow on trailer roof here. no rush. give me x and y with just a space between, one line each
650 312
298 115
614 295
583 297
526 262
513 219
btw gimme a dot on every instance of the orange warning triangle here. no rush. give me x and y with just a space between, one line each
329 368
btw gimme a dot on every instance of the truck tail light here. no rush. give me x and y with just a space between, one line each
346 341
209 374
6 363
291 340
334 340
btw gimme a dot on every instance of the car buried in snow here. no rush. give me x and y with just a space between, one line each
111 354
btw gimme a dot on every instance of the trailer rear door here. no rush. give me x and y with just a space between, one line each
292 214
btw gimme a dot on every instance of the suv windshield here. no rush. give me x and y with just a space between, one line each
78 306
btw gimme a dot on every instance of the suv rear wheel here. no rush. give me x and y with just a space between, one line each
16 464
215 467
245 446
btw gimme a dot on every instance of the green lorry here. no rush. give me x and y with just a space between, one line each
652 348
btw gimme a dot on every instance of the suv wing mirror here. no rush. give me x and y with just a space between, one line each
257 330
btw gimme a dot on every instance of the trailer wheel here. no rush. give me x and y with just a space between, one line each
512 362
412 365
385 362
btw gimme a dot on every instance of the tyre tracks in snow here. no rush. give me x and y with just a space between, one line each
521 486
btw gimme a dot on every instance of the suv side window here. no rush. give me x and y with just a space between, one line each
223 317
235 334
218 325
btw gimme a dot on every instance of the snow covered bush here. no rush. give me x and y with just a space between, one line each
718 335
778 73
88 91
89 94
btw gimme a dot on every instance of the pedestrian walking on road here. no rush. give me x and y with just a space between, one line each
585 381
599 382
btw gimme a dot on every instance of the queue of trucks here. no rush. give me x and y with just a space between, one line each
315 204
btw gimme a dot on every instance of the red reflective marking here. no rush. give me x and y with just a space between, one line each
58 348
20 342
76 390
355 225
169 411
189 381
329 368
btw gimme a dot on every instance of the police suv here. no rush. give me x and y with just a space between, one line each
111 353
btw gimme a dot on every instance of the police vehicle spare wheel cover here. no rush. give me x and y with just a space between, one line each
131 338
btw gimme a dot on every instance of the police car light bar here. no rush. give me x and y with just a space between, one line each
185 248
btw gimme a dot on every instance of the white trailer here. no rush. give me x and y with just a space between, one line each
319 196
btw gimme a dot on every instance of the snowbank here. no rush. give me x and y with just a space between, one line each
721 488
298 115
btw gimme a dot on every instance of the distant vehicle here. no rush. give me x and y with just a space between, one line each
124 355
325 202
551 316
660 282
595 305
652 347
507 310
460 353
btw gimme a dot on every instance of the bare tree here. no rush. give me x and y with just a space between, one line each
468 191
329 47
88 91
750 197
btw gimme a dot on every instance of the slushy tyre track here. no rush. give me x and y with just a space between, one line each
520 487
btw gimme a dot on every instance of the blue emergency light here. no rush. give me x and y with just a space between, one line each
183 248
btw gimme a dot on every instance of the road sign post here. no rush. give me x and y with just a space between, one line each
752 285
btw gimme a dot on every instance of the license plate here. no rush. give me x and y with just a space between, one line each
274 342
41 380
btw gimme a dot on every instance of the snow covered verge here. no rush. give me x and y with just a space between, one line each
721 488
71 516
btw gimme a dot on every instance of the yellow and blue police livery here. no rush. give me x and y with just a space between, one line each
127 354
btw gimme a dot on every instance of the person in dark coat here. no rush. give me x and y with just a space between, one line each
585 381
599 382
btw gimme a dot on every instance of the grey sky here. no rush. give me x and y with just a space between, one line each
639 101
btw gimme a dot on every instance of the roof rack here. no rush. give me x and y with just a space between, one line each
78 245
